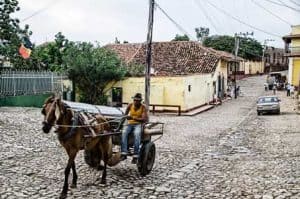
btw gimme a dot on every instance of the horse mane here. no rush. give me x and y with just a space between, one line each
49 99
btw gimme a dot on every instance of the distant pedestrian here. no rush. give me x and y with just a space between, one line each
274 89
292 90
238 90
266 86
288 90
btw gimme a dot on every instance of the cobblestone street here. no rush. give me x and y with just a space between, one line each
226 152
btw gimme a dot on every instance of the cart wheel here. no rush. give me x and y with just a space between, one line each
147 158
92 157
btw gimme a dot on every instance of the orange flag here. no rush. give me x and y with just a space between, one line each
24 52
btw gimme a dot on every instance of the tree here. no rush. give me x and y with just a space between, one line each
50 55
249 48
11 34
135 70
201 33
181 38
224 43
91 68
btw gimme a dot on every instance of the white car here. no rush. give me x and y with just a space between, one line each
268 104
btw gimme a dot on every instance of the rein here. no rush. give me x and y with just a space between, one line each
86 125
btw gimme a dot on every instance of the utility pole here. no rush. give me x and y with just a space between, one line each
264 49
236 47
148 54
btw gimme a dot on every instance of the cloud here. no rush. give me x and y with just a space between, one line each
103 20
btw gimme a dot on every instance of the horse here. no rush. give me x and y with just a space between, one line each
72 137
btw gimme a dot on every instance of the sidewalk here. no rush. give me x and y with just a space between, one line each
198 110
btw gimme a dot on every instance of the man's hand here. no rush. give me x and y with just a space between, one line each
129 118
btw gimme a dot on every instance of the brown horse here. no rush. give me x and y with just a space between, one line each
73 138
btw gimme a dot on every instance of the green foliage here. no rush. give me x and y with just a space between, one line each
248 49
50 55
181 38
135 70
11 34
201 33
91 68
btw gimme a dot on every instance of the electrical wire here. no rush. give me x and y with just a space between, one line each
242 22
295 2
41 10
283 4
259 5
207 16
174 22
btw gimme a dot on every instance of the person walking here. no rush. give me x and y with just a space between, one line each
288 90
266 86
292 90
274 88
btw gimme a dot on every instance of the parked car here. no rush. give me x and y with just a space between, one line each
268 104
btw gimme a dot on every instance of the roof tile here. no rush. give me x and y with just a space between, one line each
171 58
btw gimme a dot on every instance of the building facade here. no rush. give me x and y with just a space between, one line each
275 59
292 52
183 73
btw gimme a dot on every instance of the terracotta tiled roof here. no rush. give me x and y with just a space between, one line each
226 55
170 58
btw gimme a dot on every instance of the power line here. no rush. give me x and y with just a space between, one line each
242 22
206 15
41 10
295 2
259 5
174 22
283 4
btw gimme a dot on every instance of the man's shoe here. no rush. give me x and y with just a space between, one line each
134 160
123 157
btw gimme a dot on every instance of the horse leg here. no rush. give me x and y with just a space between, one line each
72 156
74 180
103 178
104 153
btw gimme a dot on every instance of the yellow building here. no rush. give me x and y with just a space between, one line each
292 50
252 67
183 73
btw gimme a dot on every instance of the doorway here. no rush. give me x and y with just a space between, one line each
117 96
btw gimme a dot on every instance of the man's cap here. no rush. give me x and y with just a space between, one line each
137 96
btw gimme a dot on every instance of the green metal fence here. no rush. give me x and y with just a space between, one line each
24 100
28 88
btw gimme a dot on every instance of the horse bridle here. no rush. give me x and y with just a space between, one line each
45 122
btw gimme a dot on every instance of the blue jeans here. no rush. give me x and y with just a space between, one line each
137 130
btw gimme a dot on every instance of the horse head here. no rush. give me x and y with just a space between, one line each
53 110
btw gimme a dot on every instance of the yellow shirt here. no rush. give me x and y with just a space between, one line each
135 114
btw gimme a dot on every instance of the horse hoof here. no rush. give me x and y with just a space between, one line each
73 186
100 168
103 182
63 196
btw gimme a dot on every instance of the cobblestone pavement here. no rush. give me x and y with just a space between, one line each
227 152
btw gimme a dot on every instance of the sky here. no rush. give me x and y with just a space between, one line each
104 20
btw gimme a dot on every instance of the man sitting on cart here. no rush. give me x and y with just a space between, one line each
137 115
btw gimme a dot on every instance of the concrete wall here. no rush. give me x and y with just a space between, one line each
295 44
252 67
295 29
186 91
201 90
221 70
296 71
